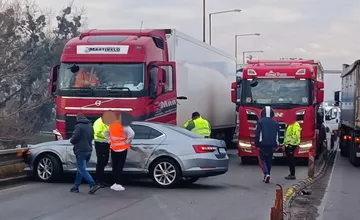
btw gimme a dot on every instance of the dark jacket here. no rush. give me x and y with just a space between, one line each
82 137
267 130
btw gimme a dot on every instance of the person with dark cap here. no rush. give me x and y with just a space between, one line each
82 141
266 140
198 125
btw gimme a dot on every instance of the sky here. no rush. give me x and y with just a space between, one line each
325 30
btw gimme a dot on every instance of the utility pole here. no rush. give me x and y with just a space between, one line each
204 17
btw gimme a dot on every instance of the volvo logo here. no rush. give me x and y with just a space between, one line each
279 114
98 103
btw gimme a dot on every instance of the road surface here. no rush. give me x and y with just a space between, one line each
238 194
342 197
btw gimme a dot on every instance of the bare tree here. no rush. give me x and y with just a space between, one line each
28 52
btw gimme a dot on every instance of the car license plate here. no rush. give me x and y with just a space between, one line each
357 154
222 151
278 154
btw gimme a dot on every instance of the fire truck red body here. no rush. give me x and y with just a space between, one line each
289 87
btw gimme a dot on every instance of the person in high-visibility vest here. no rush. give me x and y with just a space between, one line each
86 77
102 148
198 125
291 141
120 138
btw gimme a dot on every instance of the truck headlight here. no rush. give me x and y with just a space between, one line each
307 144
243 144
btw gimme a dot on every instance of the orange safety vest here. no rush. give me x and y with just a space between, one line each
117 137
82 79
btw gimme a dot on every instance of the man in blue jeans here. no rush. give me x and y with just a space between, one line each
82 141
266 139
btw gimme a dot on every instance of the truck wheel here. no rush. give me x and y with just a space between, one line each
343 153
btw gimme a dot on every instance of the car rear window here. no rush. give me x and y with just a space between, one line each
184 131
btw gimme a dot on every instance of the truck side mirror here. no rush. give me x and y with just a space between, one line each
233 92
337 98
53 79
160 81
254 82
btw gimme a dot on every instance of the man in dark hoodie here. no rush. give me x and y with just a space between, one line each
82 141
266 139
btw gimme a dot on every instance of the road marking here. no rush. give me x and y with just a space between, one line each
324 199
12 188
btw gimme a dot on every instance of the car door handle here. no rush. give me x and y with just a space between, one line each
148 148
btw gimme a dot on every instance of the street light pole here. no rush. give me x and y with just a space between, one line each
251 51
219 12
236 43
204 15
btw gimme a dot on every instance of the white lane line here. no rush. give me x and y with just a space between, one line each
324 199
2 191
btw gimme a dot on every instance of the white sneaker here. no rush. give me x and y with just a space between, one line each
117 187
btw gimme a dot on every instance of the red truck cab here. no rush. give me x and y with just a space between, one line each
289 87
137 58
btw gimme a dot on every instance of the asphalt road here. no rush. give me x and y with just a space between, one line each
238 194
342 197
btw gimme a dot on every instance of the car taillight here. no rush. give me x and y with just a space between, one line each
204 148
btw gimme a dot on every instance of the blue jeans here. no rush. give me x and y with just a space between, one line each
81 161
265 159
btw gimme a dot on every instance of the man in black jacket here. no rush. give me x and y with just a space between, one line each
82 141
266 139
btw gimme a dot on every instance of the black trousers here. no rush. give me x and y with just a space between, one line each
118 161
102 154
290 150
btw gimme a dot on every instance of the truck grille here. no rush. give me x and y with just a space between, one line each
70 122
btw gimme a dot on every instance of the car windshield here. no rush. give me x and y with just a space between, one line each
124 77
183 131
277 91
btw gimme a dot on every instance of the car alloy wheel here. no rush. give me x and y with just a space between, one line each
45 168
164 173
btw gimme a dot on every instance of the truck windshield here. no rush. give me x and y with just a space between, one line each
277 92
99 79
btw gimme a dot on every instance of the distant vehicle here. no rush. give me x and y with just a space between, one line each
167 153
156 75
350 112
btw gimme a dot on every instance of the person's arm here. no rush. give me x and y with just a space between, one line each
107 135
130 134
258 133
190 125
76 136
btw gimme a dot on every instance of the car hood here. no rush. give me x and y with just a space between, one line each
50 143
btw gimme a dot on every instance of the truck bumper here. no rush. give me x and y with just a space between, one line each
252 152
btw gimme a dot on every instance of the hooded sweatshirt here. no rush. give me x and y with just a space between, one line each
82 137
267 129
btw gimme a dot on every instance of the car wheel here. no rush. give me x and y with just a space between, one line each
47 168
189 180
165 173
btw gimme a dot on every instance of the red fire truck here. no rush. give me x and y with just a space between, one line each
159 75
289 87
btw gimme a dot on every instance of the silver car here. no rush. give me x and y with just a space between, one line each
167 153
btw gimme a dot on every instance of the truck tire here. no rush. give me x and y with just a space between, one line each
343 150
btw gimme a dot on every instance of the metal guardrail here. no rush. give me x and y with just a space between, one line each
12 156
